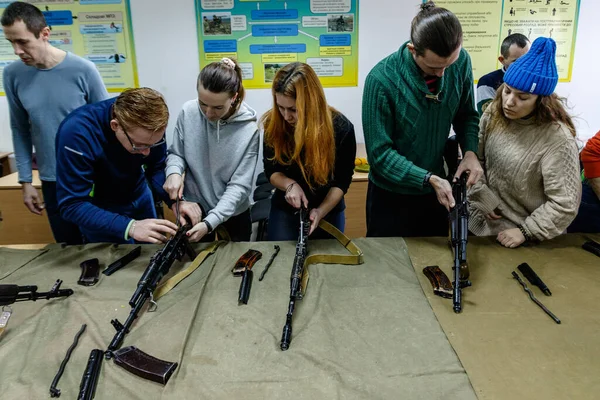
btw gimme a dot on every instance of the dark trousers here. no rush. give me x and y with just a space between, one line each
394 214
239 228
62 230
285 225
588 216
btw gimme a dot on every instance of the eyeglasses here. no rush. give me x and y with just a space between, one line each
139 149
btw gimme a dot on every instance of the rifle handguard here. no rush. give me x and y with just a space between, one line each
123 261
144 365
89 380
90 271
245 286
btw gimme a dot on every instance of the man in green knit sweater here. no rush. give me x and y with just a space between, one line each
411 100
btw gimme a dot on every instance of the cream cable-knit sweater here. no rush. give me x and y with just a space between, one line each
531 179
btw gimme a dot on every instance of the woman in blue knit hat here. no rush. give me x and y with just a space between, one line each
527 147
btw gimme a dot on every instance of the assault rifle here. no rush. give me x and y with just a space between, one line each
131 358
296 277
459 230
159 266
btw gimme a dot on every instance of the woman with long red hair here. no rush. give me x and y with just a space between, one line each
309 151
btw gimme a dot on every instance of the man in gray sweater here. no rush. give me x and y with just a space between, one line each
215 142
42 89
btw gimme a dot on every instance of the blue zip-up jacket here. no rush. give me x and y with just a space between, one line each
95 172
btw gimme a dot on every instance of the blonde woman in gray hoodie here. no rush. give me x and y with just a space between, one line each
215 142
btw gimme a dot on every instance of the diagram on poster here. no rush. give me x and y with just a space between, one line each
98 30
486 24
550 18
265 35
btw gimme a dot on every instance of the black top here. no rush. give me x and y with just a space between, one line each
345 152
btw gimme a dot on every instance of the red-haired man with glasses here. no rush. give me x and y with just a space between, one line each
107 153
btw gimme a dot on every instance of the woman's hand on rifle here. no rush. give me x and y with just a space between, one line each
295 196
314 217
188 210
197 232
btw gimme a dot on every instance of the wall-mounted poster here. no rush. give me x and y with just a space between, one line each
265 35
98 30
486 23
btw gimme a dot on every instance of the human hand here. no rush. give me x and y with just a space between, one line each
511 238
32 199
197 232
295 196
493 216
471 164
188 209
174 186
152 230
443 190
315 217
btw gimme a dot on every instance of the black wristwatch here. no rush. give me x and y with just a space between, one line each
209 226
426 180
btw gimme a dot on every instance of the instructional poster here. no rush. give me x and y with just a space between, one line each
487 22
98 30
265 35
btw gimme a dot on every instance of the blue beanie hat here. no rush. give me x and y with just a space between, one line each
535 72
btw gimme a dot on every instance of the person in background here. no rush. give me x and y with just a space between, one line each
513 47
411 100
215 143
588 216
308 154
106 154
532 187
44 72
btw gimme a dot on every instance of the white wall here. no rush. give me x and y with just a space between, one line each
167 54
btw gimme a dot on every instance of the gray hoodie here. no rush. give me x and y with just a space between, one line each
219 159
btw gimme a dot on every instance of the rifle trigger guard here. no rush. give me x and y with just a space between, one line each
4 316
153 304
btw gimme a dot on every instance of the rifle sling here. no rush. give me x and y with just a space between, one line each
173 281
354 258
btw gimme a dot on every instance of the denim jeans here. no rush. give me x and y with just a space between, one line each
588 216
140 208
284 225
62 230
